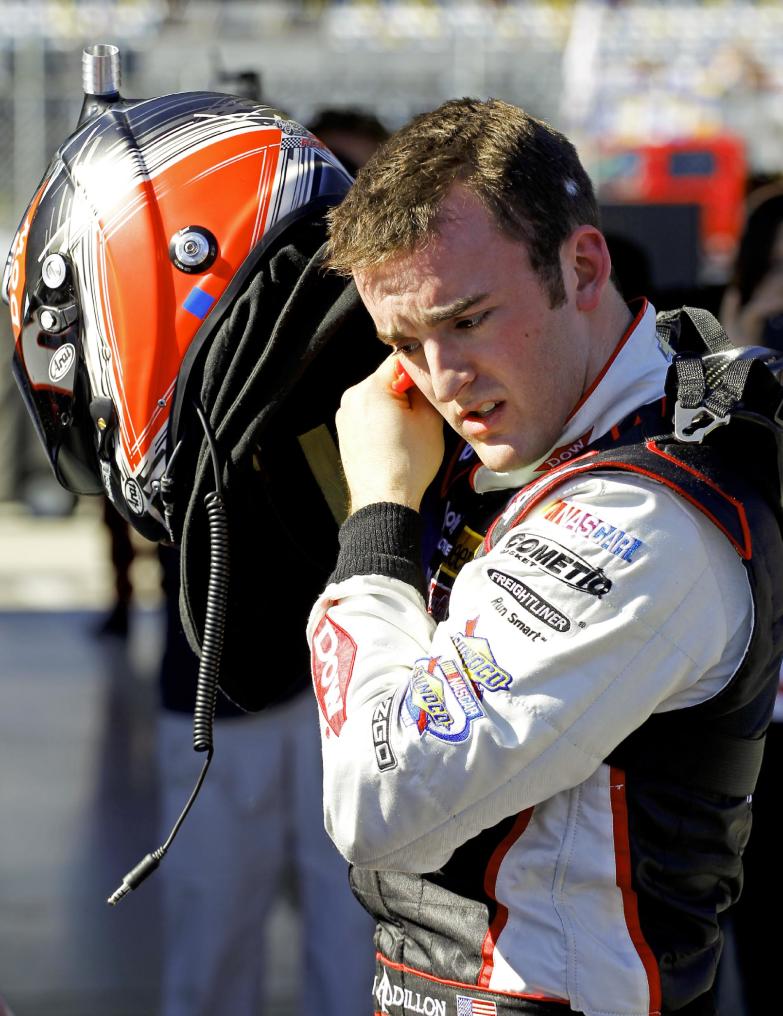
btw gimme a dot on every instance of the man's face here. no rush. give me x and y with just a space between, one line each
472 324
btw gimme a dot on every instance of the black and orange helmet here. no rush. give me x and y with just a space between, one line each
147 223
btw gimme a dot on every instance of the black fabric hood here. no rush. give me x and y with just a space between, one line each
293 341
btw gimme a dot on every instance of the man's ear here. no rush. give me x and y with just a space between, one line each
588 259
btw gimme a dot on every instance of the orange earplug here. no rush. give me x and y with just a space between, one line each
402 381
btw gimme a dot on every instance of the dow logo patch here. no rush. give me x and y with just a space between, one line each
334 652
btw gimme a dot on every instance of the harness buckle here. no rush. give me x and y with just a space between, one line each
693 425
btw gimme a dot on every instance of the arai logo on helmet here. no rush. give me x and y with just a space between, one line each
133 496
61 362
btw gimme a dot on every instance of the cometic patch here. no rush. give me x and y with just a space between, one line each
551 558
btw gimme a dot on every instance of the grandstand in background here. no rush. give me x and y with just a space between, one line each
618 72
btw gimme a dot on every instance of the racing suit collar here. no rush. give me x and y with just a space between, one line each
633 376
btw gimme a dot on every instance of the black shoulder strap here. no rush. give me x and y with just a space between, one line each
713 383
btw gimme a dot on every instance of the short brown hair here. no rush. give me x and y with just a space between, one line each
526 174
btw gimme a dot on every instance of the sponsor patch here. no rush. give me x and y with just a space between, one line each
479 662
334 652
531 601
553 559
441 701
404 1000
381 722
565 452
457 553
580 520
514 619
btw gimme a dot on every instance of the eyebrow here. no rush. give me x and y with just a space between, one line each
438 316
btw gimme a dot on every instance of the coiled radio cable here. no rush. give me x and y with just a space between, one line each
211 652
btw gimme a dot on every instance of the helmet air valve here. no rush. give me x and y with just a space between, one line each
193 249
54 271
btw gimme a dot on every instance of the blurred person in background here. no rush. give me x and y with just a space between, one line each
352 134
752 314
255 837
122 554
752 306
258 831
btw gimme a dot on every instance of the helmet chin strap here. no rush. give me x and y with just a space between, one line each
211 646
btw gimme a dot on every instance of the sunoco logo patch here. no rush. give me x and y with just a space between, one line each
440 701
479 662
552 558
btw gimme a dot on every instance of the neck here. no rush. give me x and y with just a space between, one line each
608 323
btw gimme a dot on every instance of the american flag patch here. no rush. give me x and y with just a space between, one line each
475 1007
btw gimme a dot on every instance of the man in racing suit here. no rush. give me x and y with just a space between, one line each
530 784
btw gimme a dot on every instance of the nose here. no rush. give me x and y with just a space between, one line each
449 369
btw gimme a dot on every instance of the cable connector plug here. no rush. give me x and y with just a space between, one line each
136 876
146 867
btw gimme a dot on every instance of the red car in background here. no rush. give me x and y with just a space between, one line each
709 173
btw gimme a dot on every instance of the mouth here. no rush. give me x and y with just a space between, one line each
478 423
481 412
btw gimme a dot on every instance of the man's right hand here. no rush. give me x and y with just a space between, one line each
391 443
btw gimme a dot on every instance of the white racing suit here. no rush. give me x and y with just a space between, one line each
475 769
